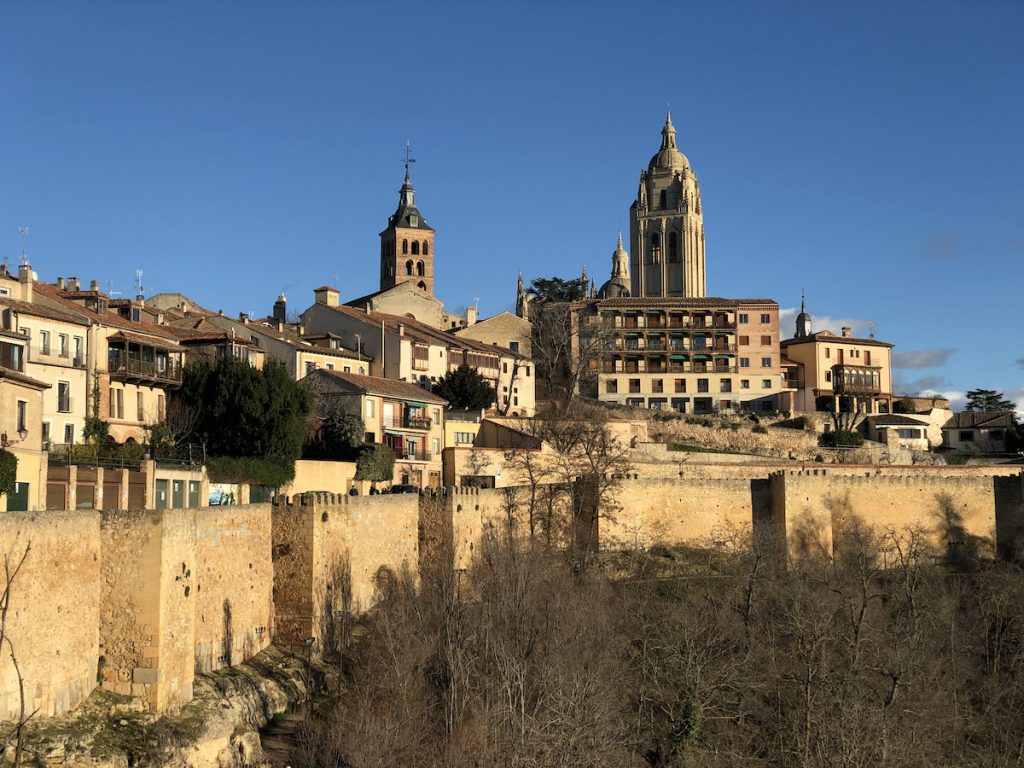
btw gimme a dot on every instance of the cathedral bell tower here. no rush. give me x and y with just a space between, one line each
666 225
407 245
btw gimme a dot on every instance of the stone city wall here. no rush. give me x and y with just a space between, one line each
53 613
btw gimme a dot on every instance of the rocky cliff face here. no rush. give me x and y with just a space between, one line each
219 728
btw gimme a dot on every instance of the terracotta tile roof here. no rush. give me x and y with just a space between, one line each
676 302
373 385
40 310
831 338
59 298
164 342
20 378
296 340
426 334
981 420
896 420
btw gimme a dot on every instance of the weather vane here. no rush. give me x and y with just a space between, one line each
408 156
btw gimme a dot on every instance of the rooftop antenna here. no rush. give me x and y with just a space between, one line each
110 289
139 292
408 156
871 330
23 231
334 279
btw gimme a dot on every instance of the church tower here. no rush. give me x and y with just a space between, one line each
666 225
407 245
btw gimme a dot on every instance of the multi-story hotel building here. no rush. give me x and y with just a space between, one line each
687 355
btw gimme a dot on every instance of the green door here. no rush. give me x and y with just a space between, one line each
18 501
160 494
178 487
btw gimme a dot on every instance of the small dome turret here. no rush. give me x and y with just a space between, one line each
668 158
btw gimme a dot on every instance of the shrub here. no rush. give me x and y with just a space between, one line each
251 470
375 463
760 429
842 439
8 471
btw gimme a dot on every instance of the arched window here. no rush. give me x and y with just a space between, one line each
408 267
422 285
415 248
673 247
419 268
664 199
656 247
426 248
405 246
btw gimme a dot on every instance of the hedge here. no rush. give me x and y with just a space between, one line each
246 469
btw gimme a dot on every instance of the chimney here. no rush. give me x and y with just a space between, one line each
280 326
470 316
60 283
94 285
326 295
72 283
847 331
25 278
401 329
243 318
280 310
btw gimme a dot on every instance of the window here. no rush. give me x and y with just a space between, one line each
62 344
405 246
656 246
702 405
828 352
726 385
680 385
310 367
673 247
408 267
634 385
504 367
743 340
527 370
44 342
611 387
435 446
140 407
702 385
725 405
744 383
663 200
63 397
744 362
78 351
46 430
766 318
966 437
415 248
419 268
463 438
744 318
766 341
766 383
867 357
657 385
426 248
369 409
69 433
766 362
22 416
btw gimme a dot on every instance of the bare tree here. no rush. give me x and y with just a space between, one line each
12 566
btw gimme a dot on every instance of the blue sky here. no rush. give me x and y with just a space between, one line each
869 153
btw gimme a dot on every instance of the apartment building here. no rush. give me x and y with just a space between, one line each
405 349
132 363
403 416
21 418
690 355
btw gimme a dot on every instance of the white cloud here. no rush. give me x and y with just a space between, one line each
921 358
787 323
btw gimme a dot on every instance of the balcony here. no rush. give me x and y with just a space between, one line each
856 379
124 368
413 421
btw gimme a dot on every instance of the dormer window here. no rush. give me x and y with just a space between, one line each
414 220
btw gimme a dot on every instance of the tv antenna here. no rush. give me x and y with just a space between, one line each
871 330
23 232
139 292
110 289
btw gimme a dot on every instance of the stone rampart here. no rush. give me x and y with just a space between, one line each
328 551
53 613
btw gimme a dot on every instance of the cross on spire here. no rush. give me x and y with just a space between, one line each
408 157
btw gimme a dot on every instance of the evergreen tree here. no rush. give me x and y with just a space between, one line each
465 388
988 400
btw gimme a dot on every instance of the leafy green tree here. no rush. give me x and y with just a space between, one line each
245 412
465 388
95 431
988 400
8 471
904 405
376 463
338 433
555 290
